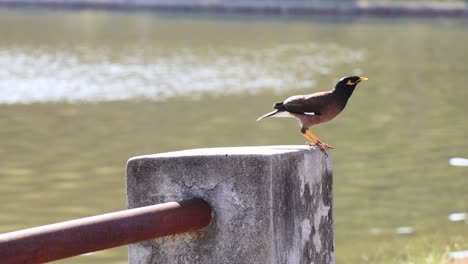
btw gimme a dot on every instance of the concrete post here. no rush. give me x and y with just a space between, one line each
270 204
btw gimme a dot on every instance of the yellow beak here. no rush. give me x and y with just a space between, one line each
363 79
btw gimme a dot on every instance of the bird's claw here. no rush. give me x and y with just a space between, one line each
323 146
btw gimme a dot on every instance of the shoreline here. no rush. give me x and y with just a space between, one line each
302 8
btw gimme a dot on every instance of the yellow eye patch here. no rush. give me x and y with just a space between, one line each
350 83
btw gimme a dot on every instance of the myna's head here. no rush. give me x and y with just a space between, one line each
346 85
350 81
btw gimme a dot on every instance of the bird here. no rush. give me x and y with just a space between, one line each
316 108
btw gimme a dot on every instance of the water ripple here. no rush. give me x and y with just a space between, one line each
30 74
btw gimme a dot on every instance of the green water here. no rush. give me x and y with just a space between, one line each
81 92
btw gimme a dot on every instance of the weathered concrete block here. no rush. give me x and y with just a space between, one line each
271 204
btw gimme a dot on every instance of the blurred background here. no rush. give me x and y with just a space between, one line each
82 91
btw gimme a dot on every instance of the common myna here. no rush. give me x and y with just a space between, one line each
316 108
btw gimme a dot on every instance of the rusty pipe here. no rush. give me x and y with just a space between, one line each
75 237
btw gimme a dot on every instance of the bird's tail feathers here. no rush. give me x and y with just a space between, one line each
273 113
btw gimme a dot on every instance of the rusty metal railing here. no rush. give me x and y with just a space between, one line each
71 238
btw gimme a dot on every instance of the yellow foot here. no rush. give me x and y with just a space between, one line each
322 146
325 146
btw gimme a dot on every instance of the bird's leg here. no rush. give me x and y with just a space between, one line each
322 146
313 140
316 139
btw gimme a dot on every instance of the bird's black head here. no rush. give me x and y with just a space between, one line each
350 81
345 86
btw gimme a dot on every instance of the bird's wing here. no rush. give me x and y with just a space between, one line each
307 104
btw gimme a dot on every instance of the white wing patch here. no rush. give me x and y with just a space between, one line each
287 114
282 114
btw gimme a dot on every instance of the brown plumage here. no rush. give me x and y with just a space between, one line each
316 108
